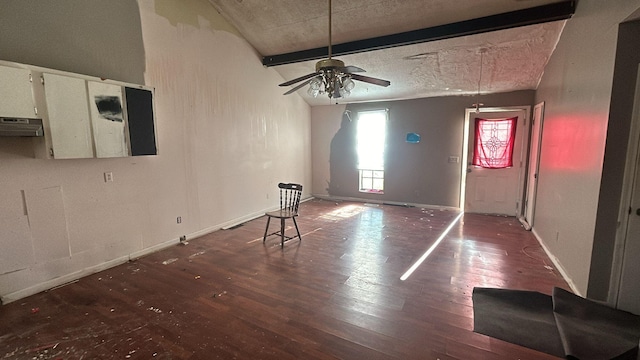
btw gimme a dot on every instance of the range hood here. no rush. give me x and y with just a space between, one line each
10 126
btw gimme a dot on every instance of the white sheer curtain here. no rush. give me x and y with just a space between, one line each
370 139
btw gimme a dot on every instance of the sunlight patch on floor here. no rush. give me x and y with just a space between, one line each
344 212
424 256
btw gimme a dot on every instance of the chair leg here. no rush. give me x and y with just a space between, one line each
296 224
282 233
264 238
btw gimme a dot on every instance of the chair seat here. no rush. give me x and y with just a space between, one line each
282 214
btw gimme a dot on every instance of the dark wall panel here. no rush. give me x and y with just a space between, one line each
140 117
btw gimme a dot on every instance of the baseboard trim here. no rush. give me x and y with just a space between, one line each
380 202
235 222
62 280
557 264
152 249
524 223
74 276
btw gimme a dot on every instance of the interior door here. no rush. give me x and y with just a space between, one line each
629 287
532 173
628 294
495 191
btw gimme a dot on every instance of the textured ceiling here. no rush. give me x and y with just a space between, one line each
512 59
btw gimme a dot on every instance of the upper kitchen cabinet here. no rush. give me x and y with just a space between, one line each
16 97
107 120
141 121
69 125
81 116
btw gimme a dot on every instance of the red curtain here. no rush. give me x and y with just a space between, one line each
494 141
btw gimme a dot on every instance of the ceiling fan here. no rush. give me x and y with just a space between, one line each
332 76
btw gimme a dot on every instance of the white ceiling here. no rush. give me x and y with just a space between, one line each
512 59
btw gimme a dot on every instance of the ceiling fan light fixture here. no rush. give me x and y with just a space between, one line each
348 84
344 92
332 76
315 84
312 92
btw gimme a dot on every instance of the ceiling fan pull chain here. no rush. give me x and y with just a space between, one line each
330 29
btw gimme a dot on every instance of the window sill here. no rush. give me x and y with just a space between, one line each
371 191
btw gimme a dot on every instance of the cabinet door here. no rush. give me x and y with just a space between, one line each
69 122
142 133
107 119
16 98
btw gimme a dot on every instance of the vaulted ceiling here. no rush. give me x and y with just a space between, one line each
458 51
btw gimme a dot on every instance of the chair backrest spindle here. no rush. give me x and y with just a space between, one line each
290 196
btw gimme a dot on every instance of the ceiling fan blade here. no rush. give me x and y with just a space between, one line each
370 80
297 87
291 82
351 69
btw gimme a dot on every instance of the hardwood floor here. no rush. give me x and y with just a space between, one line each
335 295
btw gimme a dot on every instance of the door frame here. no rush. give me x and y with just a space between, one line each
533 166
631 164
523 142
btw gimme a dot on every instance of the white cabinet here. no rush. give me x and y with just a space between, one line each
16 97
82 116
68 115
107 120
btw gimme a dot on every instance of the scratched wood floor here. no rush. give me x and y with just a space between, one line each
335 295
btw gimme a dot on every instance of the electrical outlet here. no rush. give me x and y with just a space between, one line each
454 159
179 219
108 177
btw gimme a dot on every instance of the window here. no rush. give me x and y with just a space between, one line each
372 181
494 141
371 129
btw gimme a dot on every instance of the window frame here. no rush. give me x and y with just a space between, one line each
373 175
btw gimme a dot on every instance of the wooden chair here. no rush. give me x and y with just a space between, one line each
289 202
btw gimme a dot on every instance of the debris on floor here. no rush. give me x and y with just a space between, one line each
220 294
169 261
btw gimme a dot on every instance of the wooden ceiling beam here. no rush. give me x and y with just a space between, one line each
536 15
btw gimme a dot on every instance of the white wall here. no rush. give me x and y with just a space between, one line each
226 137
576 88
240 136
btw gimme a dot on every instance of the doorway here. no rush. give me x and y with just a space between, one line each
494 191
626 272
